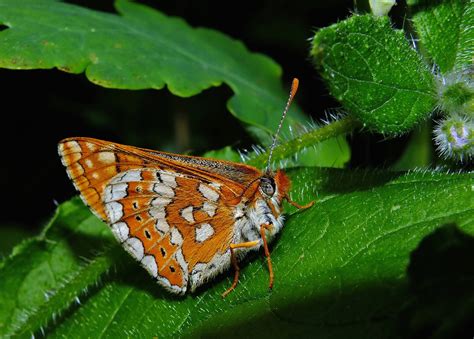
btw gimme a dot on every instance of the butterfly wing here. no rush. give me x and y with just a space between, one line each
173 213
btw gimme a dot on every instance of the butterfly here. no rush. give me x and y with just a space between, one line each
184 218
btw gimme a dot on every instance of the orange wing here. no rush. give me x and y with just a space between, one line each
173 213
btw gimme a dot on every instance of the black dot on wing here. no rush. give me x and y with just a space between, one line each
138 218
138 189
172 269
135 205
163 252
147 234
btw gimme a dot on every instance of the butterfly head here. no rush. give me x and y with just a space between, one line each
273 187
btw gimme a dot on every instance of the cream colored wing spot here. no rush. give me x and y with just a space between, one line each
120 231
106 157
71 146
203 232
149 263
160 201
134 246
91 147
163 190
187 214
208 193
128 176
209 208
114 211
176 237
168 179
115 192
157 212
162 226
74 170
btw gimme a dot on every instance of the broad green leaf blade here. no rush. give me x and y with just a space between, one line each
445 32
344 261
41 266
351 248
371 69
142 48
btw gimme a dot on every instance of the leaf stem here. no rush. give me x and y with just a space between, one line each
288 149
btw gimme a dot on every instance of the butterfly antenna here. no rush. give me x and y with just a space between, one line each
294 88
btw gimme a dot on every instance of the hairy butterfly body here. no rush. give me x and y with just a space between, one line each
184 218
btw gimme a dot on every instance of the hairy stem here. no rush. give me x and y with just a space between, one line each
287 149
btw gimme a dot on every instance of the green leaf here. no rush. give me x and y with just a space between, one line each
371 69
351 248
40 266
226 153
445 32
333 152
419 151
10 235
142 48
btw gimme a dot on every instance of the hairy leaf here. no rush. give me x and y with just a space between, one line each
445 32
340 267
371 69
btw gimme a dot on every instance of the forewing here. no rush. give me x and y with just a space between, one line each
91 163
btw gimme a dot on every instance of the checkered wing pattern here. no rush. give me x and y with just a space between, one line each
172 213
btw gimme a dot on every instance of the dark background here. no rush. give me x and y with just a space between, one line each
40 107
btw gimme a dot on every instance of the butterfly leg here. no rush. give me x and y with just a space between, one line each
263 227
235 263
298 206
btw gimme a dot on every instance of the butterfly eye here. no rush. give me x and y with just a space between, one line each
267 185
